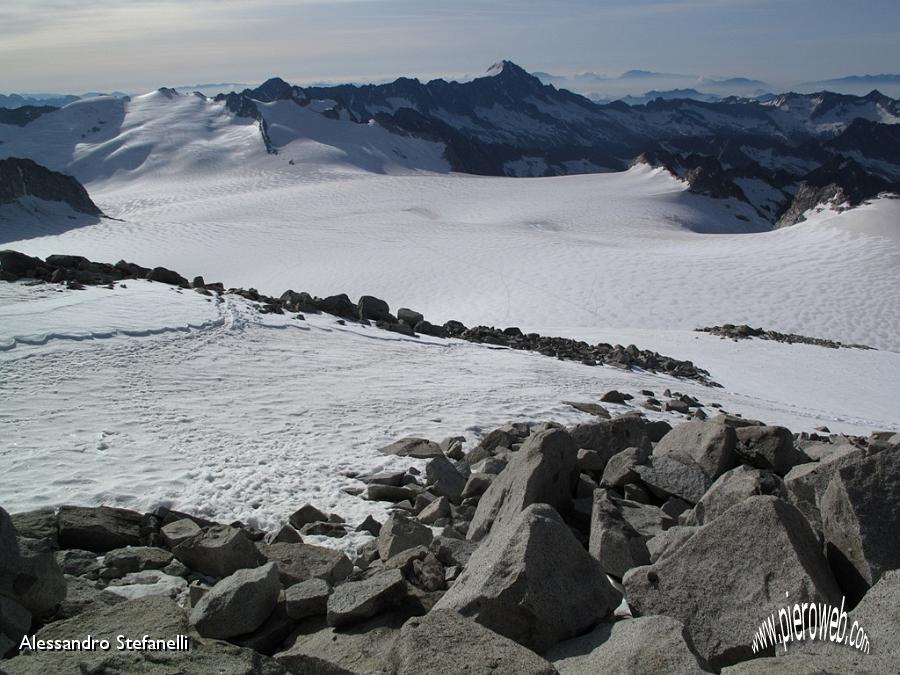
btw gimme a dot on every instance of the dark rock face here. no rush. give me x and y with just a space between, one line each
23 177
745 332
23 115
99 529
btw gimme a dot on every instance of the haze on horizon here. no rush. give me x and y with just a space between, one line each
72 46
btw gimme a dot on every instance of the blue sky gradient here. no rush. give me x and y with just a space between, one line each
137 45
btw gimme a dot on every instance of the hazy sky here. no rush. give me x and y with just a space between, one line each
137 45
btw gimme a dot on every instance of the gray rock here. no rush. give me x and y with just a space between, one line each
389 493
477 485
98 529
15 623
178 531
669 541
590 408
444 479
806 483
439 508
613 542
157 617
270 636
138 558
374 309
591 460
218 551
364 648
619 470
357 601
732 573
674 507
283 535
643 646
610 437
409 317
668 477
81 595
238 604
38 524
369 525
533 582
710 444
418 448
428 574
731 488
453 552
860 512
543 471
300 562
400 533
29 575
392 478
78 563
443 641
769 448
306 599
325 529
306 514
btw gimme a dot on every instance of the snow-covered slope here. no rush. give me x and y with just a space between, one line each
165 133
148 395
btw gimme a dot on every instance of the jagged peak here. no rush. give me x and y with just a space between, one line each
506 68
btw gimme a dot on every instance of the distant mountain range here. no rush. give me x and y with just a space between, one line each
782 154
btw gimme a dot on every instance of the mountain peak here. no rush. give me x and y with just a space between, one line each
506 69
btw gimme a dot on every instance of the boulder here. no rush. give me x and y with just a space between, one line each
99 529
238 604
418 448
82 595
300 562
283 535
18 264
308 598
38 524
443 641
669 540
409 317
533 582
167 276
138 558
29 575
731 488
306 514
710 444
731 574
427 328
444 479
619 532
218 551
400 533
178 531
769 448
439 508
619 470
339 305
615 396
806 483
15 623
369 525
453 552
159 619
356 601
316 648
543 471
477 485
642 646
668 477
374 309
389 493
860 512
78 563
610 437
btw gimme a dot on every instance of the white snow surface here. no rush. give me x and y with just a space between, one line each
146 395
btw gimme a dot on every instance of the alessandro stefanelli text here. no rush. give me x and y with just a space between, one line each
122 643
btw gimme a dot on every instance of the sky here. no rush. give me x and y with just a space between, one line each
74 46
